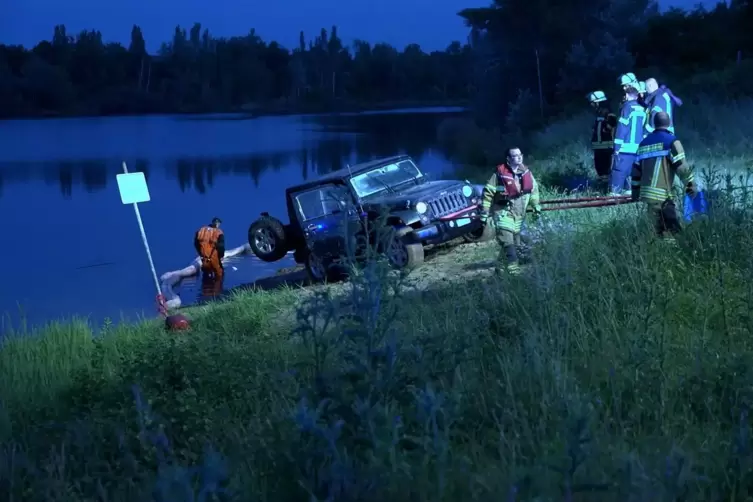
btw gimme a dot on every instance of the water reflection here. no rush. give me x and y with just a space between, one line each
196 170
339 140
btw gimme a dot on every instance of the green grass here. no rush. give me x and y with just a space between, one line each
615 368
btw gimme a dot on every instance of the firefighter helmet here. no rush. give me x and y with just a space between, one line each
628 80
596 97
642 87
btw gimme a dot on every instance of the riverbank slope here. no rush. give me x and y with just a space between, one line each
614 367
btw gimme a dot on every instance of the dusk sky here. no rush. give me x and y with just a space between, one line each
398 22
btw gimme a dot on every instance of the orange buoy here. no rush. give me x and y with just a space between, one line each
177 322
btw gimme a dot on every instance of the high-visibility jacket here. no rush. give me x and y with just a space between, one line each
509 194
659 101
602 135
629 127
210 240
660 158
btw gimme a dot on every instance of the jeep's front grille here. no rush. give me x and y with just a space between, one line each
448 203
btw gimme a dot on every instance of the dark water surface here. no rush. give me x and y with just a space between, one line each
71 246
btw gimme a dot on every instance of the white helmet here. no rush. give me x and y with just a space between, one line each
596 97
628 80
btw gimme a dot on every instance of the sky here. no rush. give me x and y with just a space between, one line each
397 22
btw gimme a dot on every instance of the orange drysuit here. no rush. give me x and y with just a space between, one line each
210 245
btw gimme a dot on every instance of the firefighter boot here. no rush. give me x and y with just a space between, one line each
508 260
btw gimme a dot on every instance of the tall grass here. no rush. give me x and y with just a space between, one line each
615 368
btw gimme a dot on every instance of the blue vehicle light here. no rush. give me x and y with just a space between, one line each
426 233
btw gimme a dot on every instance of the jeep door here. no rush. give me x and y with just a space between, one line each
327 216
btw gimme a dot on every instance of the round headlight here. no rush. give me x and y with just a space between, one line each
467 191
421 207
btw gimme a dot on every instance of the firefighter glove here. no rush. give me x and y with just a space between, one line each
536 213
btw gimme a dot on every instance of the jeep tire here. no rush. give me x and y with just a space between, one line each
400 254
267 239
320 270
483 234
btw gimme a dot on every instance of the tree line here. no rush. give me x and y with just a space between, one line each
533 58
525 60
197 72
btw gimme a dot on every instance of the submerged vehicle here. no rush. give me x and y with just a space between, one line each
343 212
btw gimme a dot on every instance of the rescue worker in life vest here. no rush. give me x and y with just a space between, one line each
660 158
210 245
602 135
659 99
628 135
510 191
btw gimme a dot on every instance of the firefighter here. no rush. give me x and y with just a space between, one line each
660 158
602 136
628 135
210 245
659 99
508 194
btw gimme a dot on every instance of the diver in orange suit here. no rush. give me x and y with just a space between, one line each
210 245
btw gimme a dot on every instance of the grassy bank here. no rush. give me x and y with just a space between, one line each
615 368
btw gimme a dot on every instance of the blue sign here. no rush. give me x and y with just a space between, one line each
132 187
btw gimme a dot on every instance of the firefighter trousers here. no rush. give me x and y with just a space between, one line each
603 161
507 227
211 267
622 166
664 217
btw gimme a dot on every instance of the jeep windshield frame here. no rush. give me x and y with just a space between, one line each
384 178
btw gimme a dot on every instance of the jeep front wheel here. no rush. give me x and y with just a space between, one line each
402 255
315 268
320 270
483 234
267 239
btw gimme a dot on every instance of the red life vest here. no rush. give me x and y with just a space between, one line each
506 178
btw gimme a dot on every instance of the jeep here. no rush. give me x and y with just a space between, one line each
338 214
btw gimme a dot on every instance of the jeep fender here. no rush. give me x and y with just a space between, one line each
406 218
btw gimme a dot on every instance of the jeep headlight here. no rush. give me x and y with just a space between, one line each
467 191
421 207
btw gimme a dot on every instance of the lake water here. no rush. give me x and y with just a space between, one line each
75 249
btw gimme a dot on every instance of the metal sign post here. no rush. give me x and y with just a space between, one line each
133 190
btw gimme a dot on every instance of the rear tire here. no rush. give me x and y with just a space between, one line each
401 255
268 239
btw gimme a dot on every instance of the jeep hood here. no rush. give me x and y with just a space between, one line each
413 193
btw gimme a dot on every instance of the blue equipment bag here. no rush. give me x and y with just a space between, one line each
694 206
